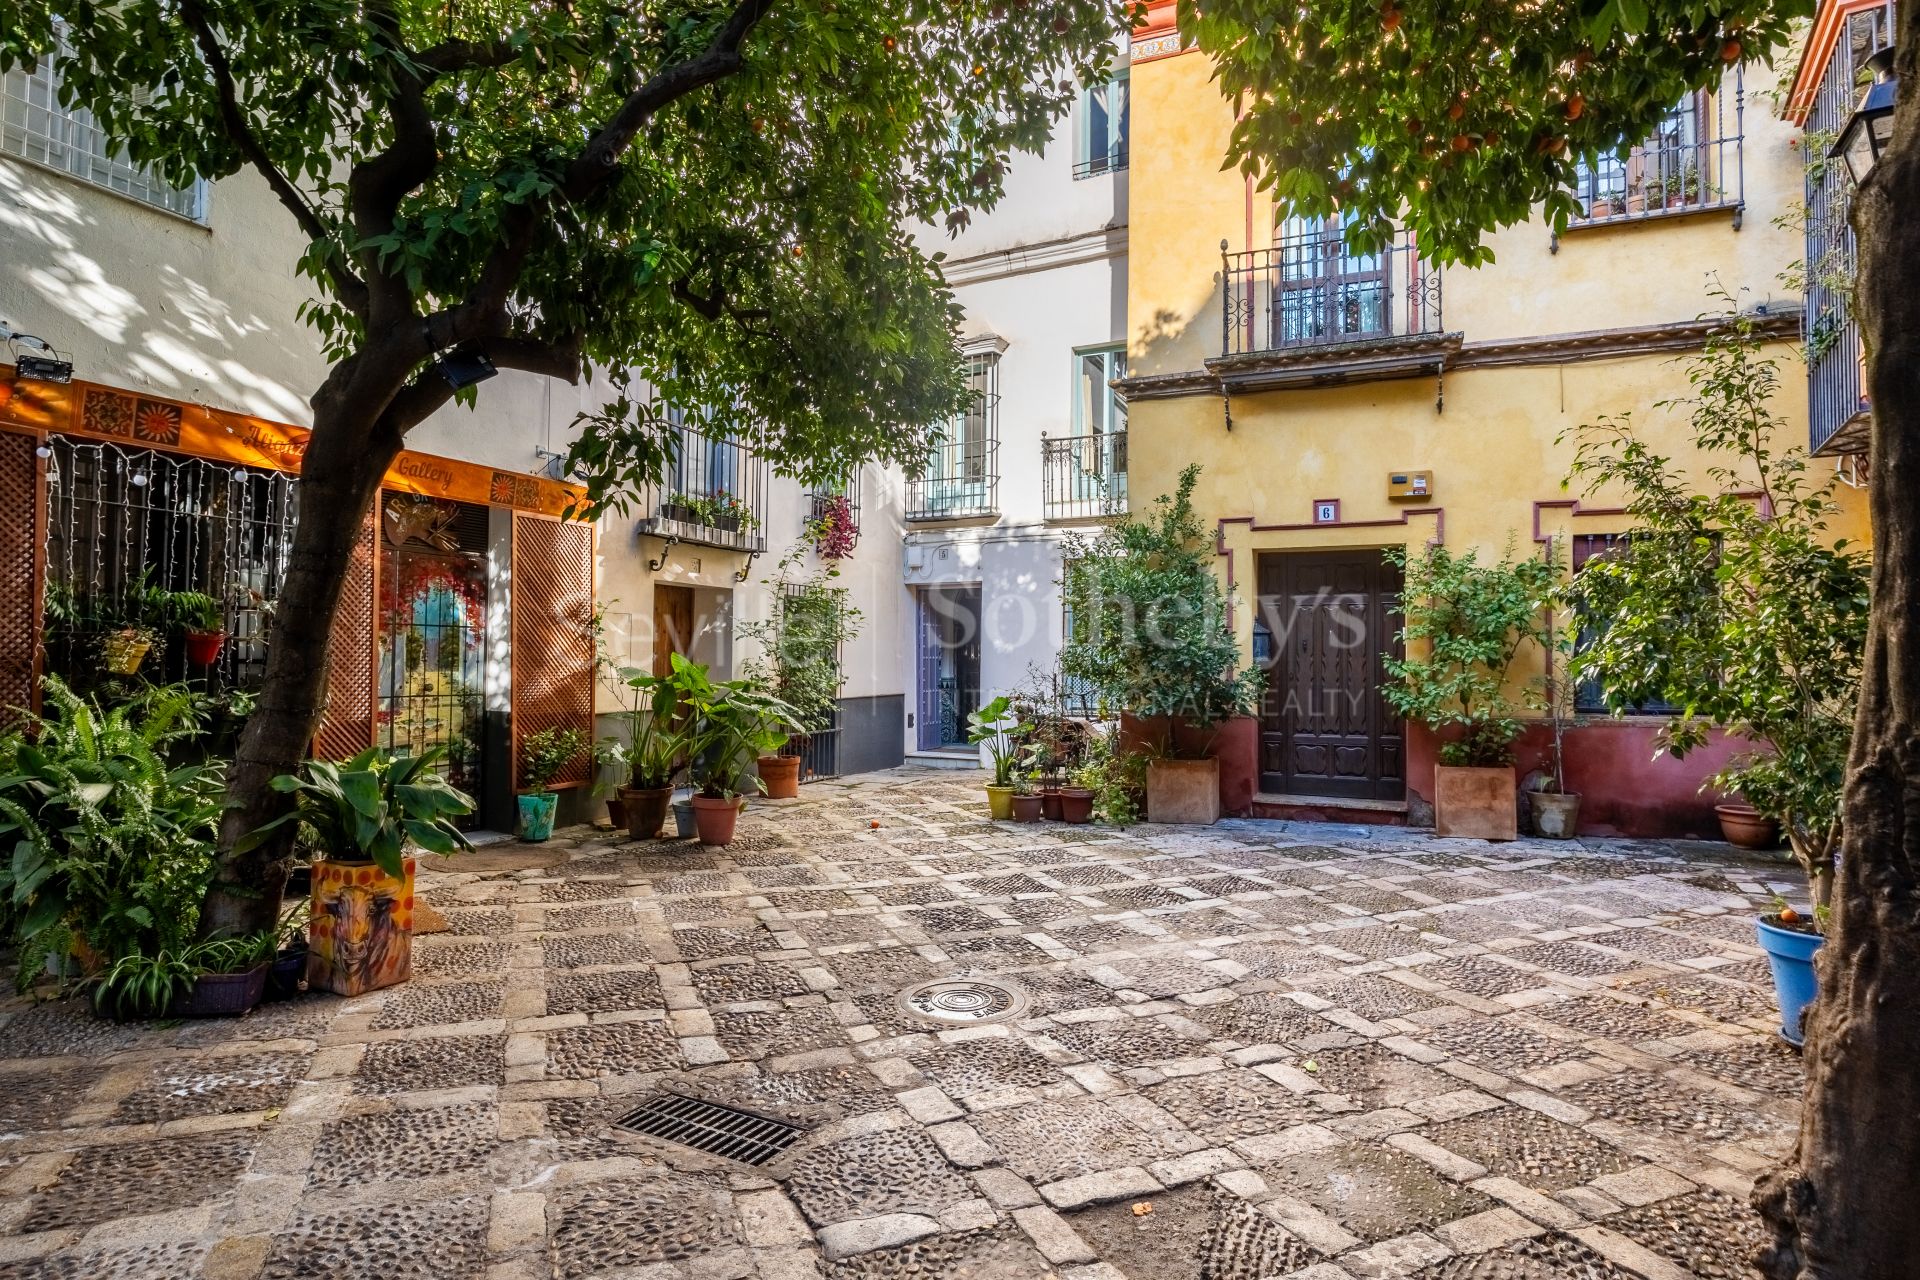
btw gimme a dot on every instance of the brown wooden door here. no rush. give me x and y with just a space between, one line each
1329 620
672 625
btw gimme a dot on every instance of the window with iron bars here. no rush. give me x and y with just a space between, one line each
1587 697
35 127
1693 161
1085 474
818 747
961 474
120 519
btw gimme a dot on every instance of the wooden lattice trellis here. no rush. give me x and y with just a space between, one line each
552 609
22 532
346 726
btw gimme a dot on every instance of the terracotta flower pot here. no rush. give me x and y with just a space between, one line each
781 775
1476 803
360 928
1184 791
1745 828
1000 803
1050 803
1076 804
203 647
646 810
1025 808
1556 815
714 818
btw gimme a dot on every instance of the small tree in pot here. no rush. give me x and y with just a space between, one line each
1150 637
1739 608
730 724
1464 624
543 755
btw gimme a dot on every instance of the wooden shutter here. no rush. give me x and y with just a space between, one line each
552 607
346 723
23 519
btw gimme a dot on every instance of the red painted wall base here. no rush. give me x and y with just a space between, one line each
1235 743
1623 789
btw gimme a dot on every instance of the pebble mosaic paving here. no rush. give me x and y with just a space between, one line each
1247 1052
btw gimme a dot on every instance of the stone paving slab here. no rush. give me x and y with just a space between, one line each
1258 1050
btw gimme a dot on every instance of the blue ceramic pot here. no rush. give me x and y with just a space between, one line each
536 815
1790 955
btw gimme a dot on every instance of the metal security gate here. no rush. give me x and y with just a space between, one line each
123 522
819 753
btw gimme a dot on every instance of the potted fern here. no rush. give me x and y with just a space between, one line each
364 819
542 756
201 622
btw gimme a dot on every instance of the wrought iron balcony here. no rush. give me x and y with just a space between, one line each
1693 162
960 480
1311 290
714 494
1838 415
1084 477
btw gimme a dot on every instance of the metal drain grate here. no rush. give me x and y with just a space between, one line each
711 1128
962 1000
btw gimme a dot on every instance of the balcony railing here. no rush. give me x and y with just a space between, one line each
1693 162
961 479
1837 410
714 494
1084 477
1313 291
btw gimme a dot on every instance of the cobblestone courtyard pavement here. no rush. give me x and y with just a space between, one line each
1255 1050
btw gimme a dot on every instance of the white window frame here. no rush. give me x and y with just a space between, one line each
37 130
1111 154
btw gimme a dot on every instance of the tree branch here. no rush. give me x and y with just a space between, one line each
450 56
353 290
671 83
558 359
378 184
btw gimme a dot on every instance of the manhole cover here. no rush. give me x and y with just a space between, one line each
963 1000
711 1128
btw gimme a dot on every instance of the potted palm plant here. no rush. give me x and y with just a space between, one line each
730 724
364 818
542 756
655 751
994 728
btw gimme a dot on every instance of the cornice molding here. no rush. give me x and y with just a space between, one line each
1088 246
1405 357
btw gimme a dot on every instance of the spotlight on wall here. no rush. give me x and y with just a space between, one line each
462 367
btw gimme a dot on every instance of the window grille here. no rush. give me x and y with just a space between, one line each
1101 141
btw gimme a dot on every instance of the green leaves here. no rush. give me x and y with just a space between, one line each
371 807
1465 624
1454 121
1149 619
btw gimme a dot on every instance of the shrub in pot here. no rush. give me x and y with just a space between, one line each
1555 810
1076 798
202 623
798 659
995 728
364 818
1149 636
1734 602
543 755
1465 624
730 724
654 752
110 845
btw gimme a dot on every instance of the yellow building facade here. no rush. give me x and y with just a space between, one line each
1341 405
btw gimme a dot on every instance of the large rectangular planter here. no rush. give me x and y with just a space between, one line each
360 933
1184 791
1476 804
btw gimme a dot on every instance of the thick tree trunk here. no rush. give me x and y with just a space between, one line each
1846 1206
339 476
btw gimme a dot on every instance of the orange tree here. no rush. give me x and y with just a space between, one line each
1452 118
711 197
